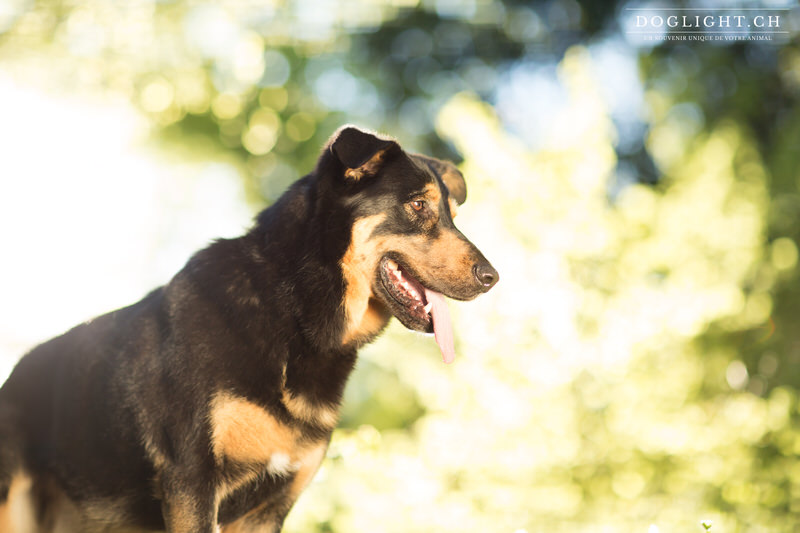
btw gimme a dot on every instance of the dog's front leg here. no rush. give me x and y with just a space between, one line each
189 506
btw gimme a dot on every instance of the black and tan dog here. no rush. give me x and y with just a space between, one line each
209 404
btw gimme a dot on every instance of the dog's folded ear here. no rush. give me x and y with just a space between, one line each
362 154
449 174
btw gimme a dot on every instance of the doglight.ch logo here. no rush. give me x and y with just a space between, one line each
701 24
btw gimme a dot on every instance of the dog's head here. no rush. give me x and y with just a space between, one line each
405 252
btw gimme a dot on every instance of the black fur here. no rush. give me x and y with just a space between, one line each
116 410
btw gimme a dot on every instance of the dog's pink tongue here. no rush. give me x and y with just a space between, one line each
442 326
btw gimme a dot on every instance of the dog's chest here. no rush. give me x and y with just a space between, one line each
245 433
252 442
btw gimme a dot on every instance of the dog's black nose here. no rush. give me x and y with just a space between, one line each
486 275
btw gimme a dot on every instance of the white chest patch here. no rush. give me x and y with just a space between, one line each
281 464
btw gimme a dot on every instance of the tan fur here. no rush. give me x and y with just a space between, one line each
182 518
433 194
365 315
246 432
454 181
244 525
5 518
59 514
446 257
153 452
227 488
311 461
249 523
369 168
322 415
17 514
449 246
453 207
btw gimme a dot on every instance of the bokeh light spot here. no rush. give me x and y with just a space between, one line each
262 133
301 127
736 375
226 106
783 253
249 59
157 96
276 69
274 97
337 89
192 91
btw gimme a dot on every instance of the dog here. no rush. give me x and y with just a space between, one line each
209 405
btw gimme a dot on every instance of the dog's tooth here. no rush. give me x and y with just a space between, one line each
391 264
428 307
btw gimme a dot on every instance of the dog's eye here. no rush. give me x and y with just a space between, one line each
418 205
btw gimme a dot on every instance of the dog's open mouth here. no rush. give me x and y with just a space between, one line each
417 306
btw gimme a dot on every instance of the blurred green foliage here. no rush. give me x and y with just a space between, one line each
637 368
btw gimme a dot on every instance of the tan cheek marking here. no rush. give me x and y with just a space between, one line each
303 409
245 432
358 267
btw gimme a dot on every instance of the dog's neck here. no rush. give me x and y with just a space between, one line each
308 263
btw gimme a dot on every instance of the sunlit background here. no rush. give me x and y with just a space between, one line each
635 370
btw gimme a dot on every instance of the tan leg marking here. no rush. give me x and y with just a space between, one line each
246 432
182 517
